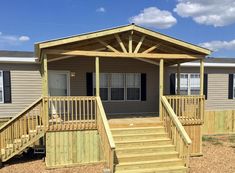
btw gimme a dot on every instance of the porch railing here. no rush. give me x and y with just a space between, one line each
105 135
175 130
189 109
71 112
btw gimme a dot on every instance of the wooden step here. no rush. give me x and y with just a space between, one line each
137 130
143 150
147 156
139 143
134 137
149 164
170 169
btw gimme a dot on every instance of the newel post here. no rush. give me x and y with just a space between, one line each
161 85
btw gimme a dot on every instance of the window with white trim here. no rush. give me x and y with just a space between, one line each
1 87
189 83
117 86
104 85
234 86
133 84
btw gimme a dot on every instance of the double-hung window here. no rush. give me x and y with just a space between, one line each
1 87
117 86
104 85
133 84
189 83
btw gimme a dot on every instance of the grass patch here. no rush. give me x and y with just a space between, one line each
232 138
212 140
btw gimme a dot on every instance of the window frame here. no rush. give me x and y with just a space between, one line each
125 87
188 82
2 88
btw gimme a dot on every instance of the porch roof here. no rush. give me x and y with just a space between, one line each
129 41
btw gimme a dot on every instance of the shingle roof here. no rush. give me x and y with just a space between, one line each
24 54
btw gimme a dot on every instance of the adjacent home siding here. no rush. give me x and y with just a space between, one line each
25 87
111 65
217 86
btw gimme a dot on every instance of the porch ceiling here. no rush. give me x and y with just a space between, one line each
129 41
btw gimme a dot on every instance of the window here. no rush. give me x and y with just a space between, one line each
104 89
189 83
133 86
117 86
1 87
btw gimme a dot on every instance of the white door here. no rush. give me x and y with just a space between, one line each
58 86
58 83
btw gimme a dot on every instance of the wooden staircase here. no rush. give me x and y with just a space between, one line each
142 148
22 131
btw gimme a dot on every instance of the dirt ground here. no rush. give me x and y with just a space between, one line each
218 157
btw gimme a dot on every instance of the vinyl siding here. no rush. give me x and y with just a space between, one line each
111 65
217 86
25 87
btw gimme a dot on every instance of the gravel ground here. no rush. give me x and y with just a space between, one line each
218 156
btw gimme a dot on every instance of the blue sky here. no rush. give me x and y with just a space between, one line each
209 23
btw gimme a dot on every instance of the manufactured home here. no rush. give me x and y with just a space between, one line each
130 97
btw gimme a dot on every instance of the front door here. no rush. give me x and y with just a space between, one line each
58 83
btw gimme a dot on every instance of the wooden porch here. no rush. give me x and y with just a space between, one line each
57 115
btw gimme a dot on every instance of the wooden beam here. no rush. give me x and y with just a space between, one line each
123 55
151 48
139 44
161 85
130 42
201 76
148 61
44 76
120 43
108 46
97 76
178 78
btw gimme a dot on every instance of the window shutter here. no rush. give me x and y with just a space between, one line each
172 84
89 84
230 86
205 87
7 86
143 87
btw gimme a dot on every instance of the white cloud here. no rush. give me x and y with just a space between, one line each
101 10
11 40
208 12
24 38
154 17
219 45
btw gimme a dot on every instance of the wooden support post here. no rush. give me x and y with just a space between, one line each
44 76
97 76
178 79
201 76
161 85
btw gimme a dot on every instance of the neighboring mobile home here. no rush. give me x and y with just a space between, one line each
132 70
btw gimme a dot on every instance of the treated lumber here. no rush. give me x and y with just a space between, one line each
161 84
201 76
178 78
139 44
97 76
130 42
124 55
121 43
108 46
151 48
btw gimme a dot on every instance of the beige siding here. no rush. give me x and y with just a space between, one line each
217 86
82 65
25 87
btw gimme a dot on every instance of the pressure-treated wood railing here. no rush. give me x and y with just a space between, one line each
26 124
70 112
189 109
175 130
108 144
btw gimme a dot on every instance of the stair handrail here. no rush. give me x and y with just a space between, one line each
176 121
105 135
20 114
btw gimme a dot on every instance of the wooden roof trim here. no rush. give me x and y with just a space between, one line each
122 55
172 40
